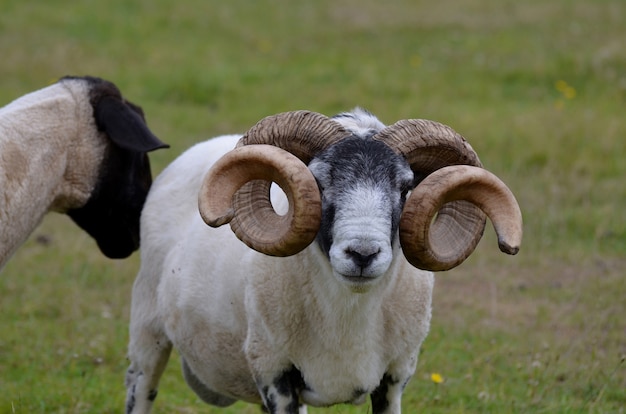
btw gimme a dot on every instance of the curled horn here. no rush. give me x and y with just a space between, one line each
236 189
443 243
444 217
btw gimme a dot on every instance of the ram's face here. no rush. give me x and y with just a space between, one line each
363 184
359 172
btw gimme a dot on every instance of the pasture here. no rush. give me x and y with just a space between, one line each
538 88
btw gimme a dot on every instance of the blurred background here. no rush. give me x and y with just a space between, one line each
538 88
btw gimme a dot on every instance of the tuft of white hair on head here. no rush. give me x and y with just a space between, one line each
360 122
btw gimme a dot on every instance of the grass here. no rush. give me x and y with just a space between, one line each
538 88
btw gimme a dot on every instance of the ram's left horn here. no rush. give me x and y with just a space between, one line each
433 239
251 215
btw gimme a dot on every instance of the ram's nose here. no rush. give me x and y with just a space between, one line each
360 258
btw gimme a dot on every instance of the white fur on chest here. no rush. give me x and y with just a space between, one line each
337 340
332 375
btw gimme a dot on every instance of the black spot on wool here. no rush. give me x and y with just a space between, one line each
152 395
380 402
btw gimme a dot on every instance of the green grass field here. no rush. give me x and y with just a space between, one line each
538 88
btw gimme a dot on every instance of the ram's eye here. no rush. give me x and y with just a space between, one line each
405 188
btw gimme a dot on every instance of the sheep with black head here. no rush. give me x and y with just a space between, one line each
76 147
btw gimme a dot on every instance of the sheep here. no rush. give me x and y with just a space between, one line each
75 147
307 299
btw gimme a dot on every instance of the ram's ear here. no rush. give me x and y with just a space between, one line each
125 126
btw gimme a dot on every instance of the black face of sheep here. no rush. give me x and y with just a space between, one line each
111 215
363 186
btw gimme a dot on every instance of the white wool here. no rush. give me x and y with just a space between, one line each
236 315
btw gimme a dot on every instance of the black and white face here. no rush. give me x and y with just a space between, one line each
363 184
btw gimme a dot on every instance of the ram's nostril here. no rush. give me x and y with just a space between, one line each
361 260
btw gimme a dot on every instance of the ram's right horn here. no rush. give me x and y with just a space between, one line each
431 236
276 149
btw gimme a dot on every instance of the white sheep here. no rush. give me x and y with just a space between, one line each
342 314
75 147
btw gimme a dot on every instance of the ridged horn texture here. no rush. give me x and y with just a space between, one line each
302 133
237 187
441 244
458 224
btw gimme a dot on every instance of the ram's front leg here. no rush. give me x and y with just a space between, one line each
148 351
142 378
387 398
281 394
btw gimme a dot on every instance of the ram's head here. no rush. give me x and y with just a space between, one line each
435 192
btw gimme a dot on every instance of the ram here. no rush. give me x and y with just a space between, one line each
326 301
75 147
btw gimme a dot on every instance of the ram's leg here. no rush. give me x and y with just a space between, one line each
281 394
148 354
148 349
302 409
387 398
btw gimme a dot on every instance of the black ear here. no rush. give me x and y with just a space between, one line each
125 126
